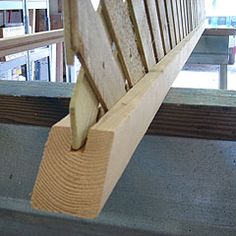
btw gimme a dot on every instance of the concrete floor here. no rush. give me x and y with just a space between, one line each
172 186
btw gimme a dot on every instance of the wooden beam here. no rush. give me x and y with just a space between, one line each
184 112
80 182
27 42
197 113
220 31
34 103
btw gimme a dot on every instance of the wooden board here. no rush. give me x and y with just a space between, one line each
220 31
189 13
27 42
198 113
186 16
34 103
184 112
83 110
176 21
155 27
142 30
164 25
69 52
170 21
120 26
80 182
91 45
180 19
183 17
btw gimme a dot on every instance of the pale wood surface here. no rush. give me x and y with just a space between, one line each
67 34
80 182
121 28
180 19
22 43
83 110
143 33
90 43
158 44
184 112
189 13
220 31
183 17
164 25
176 21
186 16
170 21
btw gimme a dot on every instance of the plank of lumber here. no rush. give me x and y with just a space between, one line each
83 110
117 17
180 20
155 28
186 16
170 21
176 21
69 52
183 17
189 14
90 43
22 43
43 104
164 25
80 182
143 33
220 31
34 103
196 113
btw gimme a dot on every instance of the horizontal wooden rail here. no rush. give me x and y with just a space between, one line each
22 43
184 112
220 31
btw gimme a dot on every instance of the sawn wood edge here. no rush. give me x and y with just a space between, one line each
80 182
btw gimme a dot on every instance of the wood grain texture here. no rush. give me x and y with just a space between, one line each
83 110
27 42
34 103
197 113
142 30
170 21
80 182
186 15
118 19
180 19
183 17
176 20
155 27
189 13
44 105
220 31
91 45
164 25
69 52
